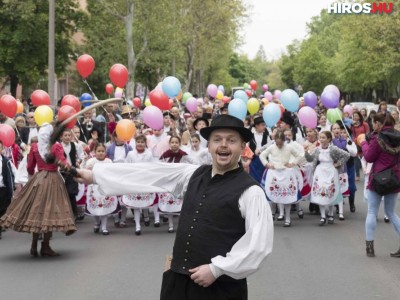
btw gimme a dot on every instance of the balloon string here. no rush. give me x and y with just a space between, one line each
91 91
187 126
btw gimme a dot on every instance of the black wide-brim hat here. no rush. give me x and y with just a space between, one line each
200 119
227 122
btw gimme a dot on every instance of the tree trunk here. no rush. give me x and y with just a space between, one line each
131 53
189 70
14 80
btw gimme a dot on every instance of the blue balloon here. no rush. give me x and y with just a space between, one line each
84 97
171 86
290 100
237 108
240 94
271 114
222 89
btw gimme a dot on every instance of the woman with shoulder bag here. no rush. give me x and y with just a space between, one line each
383 150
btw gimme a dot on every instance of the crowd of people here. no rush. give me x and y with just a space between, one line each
290 162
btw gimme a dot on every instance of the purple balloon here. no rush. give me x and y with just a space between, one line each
310 99
153 117
191 104
265 87
330 99
333 88
277 94
308 117
212 90
268 96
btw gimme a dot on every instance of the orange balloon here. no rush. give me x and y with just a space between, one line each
125 130
179 97
20 107
360 138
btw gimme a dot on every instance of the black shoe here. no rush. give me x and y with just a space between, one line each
331 220
157 224
352 208
138 232
341 217
386 219
322 221
300 213
287 224
96 229
164 219
147 222
280 218
105 232
171 230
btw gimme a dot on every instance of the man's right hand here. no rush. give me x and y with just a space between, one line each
84 176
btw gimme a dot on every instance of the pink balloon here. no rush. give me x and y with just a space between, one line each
153 117
265 87
212 90
191 104
307 117
277 94
348 109
268 96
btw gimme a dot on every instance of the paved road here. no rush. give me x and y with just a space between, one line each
308 262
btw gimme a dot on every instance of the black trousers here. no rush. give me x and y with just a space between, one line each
4 201
177 286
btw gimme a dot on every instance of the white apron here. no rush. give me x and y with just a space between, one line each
138 200
169 204
283 186
99 205
344 184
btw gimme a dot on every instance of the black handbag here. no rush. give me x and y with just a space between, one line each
386 182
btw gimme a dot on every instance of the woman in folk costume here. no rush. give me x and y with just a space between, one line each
199 155
282 184
167 202
98 205
43 205
327 159
141 201
117 151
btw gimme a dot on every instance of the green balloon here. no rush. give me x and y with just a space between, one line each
246 86
333 115
186 96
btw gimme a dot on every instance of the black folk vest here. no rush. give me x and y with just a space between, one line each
210 222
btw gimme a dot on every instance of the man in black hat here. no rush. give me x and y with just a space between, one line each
225 229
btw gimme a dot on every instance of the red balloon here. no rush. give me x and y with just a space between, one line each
85 65
137 102
119 75
72 101
282 109
253 85
226 99
170 103
40 97
64 113
159 99
7 135
249 93
8 106
109 88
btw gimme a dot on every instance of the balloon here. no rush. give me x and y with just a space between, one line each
330 99
268 96
348 109
332 88
277 94
246 86
253 106
147 102
265 87
153 117
271 114
160 99
85 65
310 99
191 104
171 103
43 114
73 101
171 86
282 109
64 113
136 101
85 97
109 88
225 99
221 88
219 95
179 97
119 75
237 108
240 94
40 97
253 85
8 106
212 90
7 135
308 117
20 107
360 138
249 93
118 93
186 96
333 115
125 130
290 100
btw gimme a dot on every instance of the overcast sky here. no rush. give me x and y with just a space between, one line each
276 23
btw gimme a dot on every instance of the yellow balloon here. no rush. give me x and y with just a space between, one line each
43 114
253 106
220 94
147 102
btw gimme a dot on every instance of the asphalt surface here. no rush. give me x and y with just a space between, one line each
308 262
